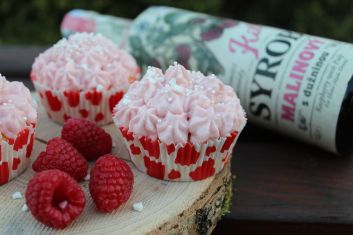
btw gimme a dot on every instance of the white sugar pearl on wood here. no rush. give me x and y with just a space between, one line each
17 195
24 208
138 206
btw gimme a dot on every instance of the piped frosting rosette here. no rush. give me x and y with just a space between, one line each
83 76
181 125
18 118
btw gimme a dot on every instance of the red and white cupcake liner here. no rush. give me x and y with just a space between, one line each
15 154
172 162
94 105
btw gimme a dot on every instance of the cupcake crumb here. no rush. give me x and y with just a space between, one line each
24 208
17 195
138 206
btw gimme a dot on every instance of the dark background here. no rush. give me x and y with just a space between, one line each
36 22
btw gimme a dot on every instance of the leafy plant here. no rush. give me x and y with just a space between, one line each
37 21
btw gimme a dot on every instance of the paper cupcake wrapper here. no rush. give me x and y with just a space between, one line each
187 162
93 105
15 154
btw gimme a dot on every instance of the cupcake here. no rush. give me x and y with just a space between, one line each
83 76
18 118
180 125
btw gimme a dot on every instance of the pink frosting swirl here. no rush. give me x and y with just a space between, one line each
204 124
17 108
167 100
173 128
180 106
144 122
127 110
147 88
85 61
179 74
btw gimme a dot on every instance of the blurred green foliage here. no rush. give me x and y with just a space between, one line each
37 21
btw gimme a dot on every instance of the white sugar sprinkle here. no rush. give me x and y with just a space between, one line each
63 204
138 206
99 87
24 208
87 177
84 66
188 92
172 83
125 100
169 99
17 195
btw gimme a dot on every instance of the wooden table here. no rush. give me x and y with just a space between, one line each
282 186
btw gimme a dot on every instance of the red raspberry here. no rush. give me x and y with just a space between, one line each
62 156
111 183
87 137
55 198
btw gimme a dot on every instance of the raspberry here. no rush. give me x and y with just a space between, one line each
87 137
54 198
111 183
62 156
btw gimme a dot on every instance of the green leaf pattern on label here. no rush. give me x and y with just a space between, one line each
160 36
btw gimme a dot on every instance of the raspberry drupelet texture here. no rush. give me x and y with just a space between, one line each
87 137
61 155
111 183
55 198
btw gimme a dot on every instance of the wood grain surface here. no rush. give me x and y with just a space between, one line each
169 207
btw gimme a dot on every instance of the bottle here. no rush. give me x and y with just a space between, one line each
78 20
294 83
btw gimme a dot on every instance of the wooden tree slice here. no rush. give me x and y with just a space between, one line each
169 207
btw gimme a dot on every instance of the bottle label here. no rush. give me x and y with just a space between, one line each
78 20
286 81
